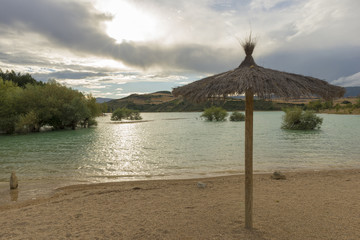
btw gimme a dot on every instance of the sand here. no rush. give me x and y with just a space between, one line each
307 205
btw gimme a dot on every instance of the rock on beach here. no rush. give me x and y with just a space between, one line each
278 176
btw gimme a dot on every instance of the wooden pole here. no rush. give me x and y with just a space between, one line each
249 96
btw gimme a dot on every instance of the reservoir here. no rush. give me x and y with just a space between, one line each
177 145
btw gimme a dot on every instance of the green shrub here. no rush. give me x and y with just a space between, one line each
215 114
27 123
237 116
92 122
337 107
134 115
328 105
297 119
315 105
357 104
124 113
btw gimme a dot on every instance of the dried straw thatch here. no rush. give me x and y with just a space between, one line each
264 83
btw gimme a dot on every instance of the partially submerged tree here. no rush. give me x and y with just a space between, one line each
27 123
36 105
297 119
124 113
237 117
215 114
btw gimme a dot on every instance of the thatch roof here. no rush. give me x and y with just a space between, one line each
264 83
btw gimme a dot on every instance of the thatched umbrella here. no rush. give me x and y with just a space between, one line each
251 79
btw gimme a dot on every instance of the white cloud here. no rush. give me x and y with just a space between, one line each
96 87
316 16
98 94
349 81
264 4
184 83
75 82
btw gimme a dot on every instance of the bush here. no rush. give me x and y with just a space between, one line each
27 123
315 105
118 114
124 113
297 119
134 115
357 104
328 105
237 116
215 114
337 107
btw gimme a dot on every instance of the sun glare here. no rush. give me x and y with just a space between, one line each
128 23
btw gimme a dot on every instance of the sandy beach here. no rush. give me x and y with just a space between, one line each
307 205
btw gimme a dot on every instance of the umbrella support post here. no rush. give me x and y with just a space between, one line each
249 96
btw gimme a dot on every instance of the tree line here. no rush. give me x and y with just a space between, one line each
325 106
27 105
21 80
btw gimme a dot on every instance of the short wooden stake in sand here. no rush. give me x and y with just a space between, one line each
13 181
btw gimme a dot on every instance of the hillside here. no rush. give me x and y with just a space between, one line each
103 100
141 101
164 101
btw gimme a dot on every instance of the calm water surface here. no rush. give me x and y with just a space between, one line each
177 145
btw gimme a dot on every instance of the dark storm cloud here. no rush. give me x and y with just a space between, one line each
71 24
23 59
329 64
80 28
51 69
187 57
66 75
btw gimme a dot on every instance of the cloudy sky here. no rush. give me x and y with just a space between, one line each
112 48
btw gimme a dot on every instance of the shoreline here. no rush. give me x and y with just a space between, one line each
34 189
307 205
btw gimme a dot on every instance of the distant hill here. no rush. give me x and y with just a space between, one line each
102 100
141 102
164 101
352 91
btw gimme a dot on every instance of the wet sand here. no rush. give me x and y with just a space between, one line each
307 205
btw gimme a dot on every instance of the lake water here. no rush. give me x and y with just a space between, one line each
177 145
